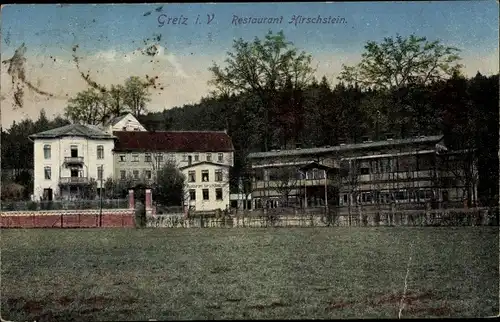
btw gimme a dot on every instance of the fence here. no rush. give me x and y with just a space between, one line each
332 218
69 219
65 205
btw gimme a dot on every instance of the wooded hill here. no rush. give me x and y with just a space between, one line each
266 98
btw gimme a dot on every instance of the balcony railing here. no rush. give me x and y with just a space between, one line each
73 160
73 180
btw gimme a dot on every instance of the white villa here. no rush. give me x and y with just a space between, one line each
68 158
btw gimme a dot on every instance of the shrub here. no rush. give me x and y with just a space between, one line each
32 205
9 206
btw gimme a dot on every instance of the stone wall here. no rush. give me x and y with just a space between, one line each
66 219
81 218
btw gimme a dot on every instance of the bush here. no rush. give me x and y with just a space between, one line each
9 206
32 205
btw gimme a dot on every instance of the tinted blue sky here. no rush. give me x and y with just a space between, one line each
109 36
470 25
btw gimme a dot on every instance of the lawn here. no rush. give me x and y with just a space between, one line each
332 273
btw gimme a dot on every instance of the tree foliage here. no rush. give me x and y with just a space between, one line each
415 90
398 62
94 106
264 68
170 185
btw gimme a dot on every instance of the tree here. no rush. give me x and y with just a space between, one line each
136 95
88 107
350 172
396 63
170 185
263 67
116 97
286 182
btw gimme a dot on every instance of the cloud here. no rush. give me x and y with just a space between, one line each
181 80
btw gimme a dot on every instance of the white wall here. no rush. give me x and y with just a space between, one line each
211 185
61 148
130 123
128 165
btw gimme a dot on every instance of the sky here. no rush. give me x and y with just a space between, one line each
110 39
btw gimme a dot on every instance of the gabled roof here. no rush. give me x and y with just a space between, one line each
116 119
81 130
173 141
204 162
315 165
347 147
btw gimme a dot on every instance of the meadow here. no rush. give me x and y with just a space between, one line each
268 273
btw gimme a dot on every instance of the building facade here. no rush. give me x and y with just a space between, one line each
68 159
204 157
126 122
413 170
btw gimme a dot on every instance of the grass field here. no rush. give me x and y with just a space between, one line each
68 275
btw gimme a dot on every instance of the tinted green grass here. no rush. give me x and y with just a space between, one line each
248 273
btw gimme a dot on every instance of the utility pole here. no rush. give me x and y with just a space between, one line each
376 126
100 197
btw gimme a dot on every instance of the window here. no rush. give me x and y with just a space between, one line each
46 151
123 158
205 194
220 157
192 176
272 174
135 158
190 159
159 158
365 170
218 175
74 151
123 174
147 174
192 194
100 152
209 157
48 173
389 165
136 174
259 175
218 193
74 173
196 157
100 172
204 176
147 157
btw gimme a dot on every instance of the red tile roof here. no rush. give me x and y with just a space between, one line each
175 141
